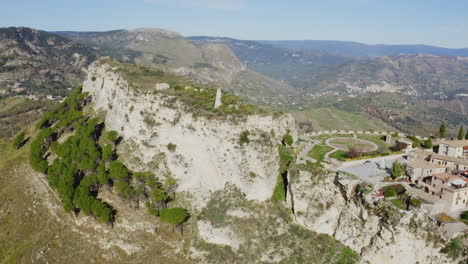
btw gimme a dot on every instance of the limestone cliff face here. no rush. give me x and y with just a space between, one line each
327 205
205 154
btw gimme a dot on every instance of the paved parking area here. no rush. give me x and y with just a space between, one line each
373 170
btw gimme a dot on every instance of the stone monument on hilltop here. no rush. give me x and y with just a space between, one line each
218 98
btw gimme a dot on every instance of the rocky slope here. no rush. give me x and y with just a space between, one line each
329 204
41 61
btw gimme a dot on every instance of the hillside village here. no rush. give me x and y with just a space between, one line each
434 179
442 174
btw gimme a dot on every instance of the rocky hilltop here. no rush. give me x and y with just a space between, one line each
228 164
206 153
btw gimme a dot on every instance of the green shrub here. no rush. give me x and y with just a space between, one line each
102 211
288 139
103 177
398 169
285 157
118 171
107 151
428 143
36 154
171 147
66 187
82 197
455 248
174 216
415 202
54 173
400 204
19 139
279 193
399 188
244 137
390 192
112 135
124 189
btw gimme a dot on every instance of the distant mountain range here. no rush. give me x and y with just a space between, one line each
279 74
318 71
292 66
357 49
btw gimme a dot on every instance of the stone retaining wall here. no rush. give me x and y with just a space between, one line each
359 132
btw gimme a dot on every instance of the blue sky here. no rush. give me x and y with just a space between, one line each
433 22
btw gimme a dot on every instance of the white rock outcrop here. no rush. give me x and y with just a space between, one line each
207 152
218 235
162 86
326 206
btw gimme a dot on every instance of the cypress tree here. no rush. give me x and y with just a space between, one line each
442 130
461 132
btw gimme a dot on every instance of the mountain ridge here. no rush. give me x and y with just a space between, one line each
359 49
39 60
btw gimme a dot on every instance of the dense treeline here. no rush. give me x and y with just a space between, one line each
87 160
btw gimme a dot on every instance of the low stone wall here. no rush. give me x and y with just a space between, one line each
358 132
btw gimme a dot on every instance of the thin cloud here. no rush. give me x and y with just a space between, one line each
211 4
